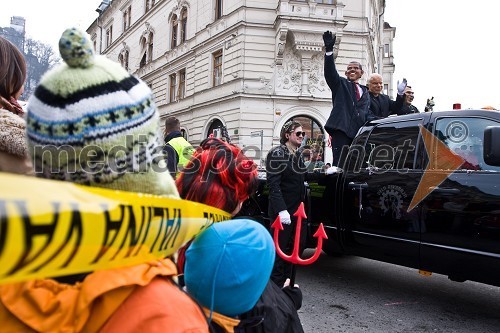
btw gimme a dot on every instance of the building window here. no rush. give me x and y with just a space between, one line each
386 50
125 21
182 84
173 87
215 128
218 9
149 4
109 35
217 65
183 25
127 18
175 23
146 50
142 63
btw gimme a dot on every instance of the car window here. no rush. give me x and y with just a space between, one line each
392 146
464 136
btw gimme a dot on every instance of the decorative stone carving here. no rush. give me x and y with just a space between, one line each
317 83
309 42
288 75
257 86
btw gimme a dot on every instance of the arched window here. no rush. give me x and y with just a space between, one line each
175 23
314 134
143 52
150 47
215 128
184 134
183 25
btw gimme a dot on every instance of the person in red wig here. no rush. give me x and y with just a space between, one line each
220 175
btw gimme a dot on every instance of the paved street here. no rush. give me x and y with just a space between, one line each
351 294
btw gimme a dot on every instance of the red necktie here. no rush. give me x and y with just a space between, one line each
355 85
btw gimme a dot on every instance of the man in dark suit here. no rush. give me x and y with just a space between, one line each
351 101
381 105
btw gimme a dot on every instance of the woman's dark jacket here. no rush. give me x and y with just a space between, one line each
286 174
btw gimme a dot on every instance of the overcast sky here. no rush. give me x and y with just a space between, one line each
47 19
447 49
444 48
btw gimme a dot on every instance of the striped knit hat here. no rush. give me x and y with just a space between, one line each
91 122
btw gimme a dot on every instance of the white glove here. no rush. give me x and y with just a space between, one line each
401 87
333 169
285 217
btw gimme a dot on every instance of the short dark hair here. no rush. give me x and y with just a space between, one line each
172 124
289 127
357 63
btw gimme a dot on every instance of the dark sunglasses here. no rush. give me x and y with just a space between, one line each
299 133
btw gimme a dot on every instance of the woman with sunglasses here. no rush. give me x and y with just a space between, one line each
286 173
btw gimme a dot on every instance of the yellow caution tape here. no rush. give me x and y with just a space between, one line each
52 228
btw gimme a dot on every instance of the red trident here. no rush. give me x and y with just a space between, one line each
294 258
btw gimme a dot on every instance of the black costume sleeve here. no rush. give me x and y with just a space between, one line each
396 106
276 163
332 77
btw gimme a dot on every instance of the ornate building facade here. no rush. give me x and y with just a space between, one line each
246 65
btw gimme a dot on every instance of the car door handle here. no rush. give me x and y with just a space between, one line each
357 186
447 190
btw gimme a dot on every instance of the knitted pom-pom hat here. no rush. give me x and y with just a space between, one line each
91 122
228 266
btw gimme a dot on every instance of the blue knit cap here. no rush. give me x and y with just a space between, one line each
228 266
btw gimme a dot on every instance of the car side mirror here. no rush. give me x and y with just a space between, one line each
491 148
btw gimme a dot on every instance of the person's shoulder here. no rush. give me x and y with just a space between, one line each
144 310
278 151
168 146
384 96
8 118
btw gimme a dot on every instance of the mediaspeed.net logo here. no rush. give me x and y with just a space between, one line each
442 163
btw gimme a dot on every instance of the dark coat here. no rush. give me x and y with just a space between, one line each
382 106
407 109
285 174
347 114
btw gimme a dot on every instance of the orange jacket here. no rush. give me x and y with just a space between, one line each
141 298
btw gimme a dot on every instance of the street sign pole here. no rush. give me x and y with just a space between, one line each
261 134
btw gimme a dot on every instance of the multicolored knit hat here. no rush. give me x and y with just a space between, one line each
91 122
